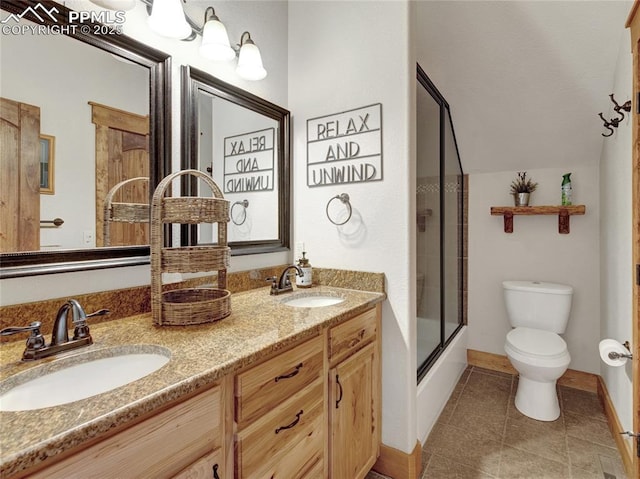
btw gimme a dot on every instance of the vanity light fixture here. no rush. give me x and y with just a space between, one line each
249 60
167 19
215 40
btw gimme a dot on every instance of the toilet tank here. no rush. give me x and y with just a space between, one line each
538 305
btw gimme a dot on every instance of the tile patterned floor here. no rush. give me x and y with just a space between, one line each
480 434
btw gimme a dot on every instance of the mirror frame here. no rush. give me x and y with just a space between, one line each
194 80
32 263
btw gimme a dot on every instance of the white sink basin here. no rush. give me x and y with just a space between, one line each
311 300
79 377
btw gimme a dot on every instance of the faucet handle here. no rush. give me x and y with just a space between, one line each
100 312
33 327
35 339
287 279
274 284
81 329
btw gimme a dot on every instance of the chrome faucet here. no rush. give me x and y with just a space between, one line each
283 284
36 347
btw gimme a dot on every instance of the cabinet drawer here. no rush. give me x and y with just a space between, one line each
158 447
207 467
287 442
261 388
348 337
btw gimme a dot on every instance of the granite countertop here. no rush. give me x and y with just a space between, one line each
258 325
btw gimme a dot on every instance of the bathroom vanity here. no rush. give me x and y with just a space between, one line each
271 391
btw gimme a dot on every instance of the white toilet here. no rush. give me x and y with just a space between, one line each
538 313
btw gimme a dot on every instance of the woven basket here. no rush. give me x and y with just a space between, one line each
182 307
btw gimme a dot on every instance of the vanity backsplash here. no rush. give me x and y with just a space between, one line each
123 303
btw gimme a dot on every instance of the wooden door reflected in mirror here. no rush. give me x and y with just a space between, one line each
122 153
20 178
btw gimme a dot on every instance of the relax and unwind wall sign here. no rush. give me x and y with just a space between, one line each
345 147
249 162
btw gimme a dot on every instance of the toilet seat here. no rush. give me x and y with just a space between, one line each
536 342
537 347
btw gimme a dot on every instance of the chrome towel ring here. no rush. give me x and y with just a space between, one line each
245 205
344 198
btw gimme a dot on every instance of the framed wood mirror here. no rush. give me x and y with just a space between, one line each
85 250
243 142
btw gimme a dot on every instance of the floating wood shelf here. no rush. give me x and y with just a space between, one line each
563 212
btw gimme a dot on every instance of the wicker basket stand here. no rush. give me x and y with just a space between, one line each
181 307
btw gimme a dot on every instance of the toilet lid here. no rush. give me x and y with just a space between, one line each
535 342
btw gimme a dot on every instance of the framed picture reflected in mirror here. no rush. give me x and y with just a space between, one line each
47 158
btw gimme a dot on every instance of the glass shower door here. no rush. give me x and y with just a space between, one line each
440 220
427 225
453 223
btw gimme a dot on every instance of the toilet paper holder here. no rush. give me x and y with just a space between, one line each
615 355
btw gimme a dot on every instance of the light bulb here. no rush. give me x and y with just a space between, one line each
167 19
215 41
250 62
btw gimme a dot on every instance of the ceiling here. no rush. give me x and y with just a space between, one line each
525 80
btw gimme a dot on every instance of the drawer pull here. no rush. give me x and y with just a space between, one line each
340 386
295 421
291 374
215 472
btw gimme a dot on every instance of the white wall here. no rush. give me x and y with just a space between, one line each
267 22
616 260
535 250
525 79
332 69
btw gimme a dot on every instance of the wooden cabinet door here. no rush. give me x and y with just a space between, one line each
353 413
20 179
122 153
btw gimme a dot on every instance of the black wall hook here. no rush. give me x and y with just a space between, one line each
608 124
626 106
615 122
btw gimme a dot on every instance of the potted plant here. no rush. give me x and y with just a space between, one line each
521 189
